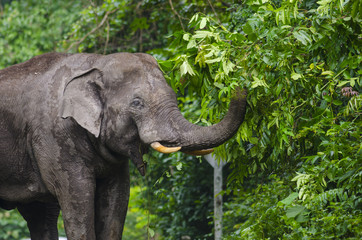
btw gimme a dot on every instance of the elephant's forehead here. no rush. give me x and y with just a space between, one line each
154 93
135 80
127 62
135 74
125 72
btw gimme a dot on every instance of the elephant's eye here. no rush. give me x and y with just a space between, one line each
137 103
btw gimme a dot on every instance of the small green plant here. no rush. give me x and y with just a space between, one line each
12 225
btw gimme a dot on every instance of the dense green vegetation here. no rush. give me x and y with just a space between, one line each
295 165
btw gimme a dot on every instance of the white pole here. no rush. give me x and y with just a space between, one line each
218 213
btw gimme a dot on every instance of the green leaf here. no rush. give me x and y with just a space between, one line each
327 98
203 23
203 34
151 232
179 166
302 37
294 211
258 82
186 37
214 60
219 85
227 66
186 68
249 31
342 83
279 89
166 65
296 76
301 218
330 73
195 17
191 44
288 200
247 28
337 102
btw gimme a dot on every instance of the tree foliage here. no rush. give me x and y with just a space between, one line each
301 62
29 28
130 25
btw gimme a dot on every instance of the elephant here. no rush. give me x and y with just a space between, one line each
70 123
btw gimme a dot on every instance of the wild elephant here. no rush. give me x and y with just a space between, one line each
69 123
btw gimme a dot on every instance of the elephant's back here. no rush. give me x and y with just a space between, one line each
20 83
36 65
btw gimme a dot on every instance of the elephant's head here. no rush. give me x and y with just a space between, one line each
125 102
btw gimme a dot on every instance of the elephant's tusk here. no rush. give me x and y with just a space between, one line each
162 149
200 152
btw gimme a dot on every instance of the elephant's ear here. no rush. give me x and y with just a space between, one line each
82 100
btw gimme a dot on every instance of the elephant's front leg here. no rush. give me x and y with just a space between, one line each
74 187
77 205
71 179
112 196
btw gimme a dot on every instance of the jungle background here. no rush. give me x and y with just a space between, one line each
294 167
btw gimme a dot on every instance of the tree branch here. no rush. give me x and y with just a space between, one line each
176 13
225 3
1 9
213 9
93 30
107 39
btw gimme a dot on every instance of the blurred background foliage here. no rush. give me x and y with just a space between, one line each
294 167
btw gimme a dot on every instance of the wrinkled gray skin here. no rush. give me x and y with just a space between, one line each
69 124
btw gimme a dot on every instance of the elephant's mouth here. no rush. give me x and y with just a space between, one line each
164 147
169 144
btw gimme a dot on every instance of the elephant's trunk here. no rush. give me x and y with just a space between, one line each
199 137
194 138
